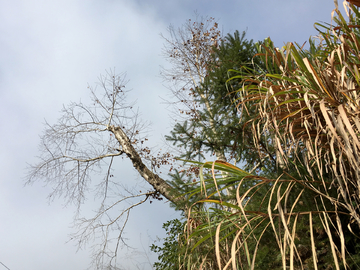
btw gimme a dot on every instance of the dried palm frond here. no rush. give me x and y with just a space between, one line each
311 107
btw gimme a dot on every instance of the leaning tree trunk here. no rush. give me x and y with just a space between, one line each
159 184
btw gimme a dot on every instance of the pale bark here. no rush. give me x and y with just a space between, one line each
153 179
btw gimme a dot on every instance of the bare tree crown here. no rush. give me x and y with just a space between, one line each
82 145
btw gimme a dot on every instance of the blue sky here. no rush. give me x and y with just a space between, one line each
50 51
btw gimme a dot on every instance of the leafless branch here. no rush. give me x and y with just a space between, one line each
107 229
77 157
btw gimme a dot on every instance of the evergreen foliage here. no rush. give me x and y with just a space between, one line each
214 129
168 253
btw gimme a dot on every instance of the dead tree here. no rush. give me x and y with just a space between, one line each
84 143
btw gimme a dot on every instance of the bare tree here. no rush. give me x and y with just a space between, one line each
79 151
190 50
83 144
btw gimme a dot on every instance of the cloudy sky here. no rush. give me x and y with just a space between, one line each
50 51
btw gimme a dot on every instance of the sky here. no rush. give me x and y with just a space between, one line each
50 52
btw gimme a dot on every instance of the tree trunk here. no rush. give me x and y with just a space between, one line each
153 179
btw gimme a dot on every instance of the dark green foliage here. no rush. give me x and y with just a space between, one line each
214 127
184 183
169 253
